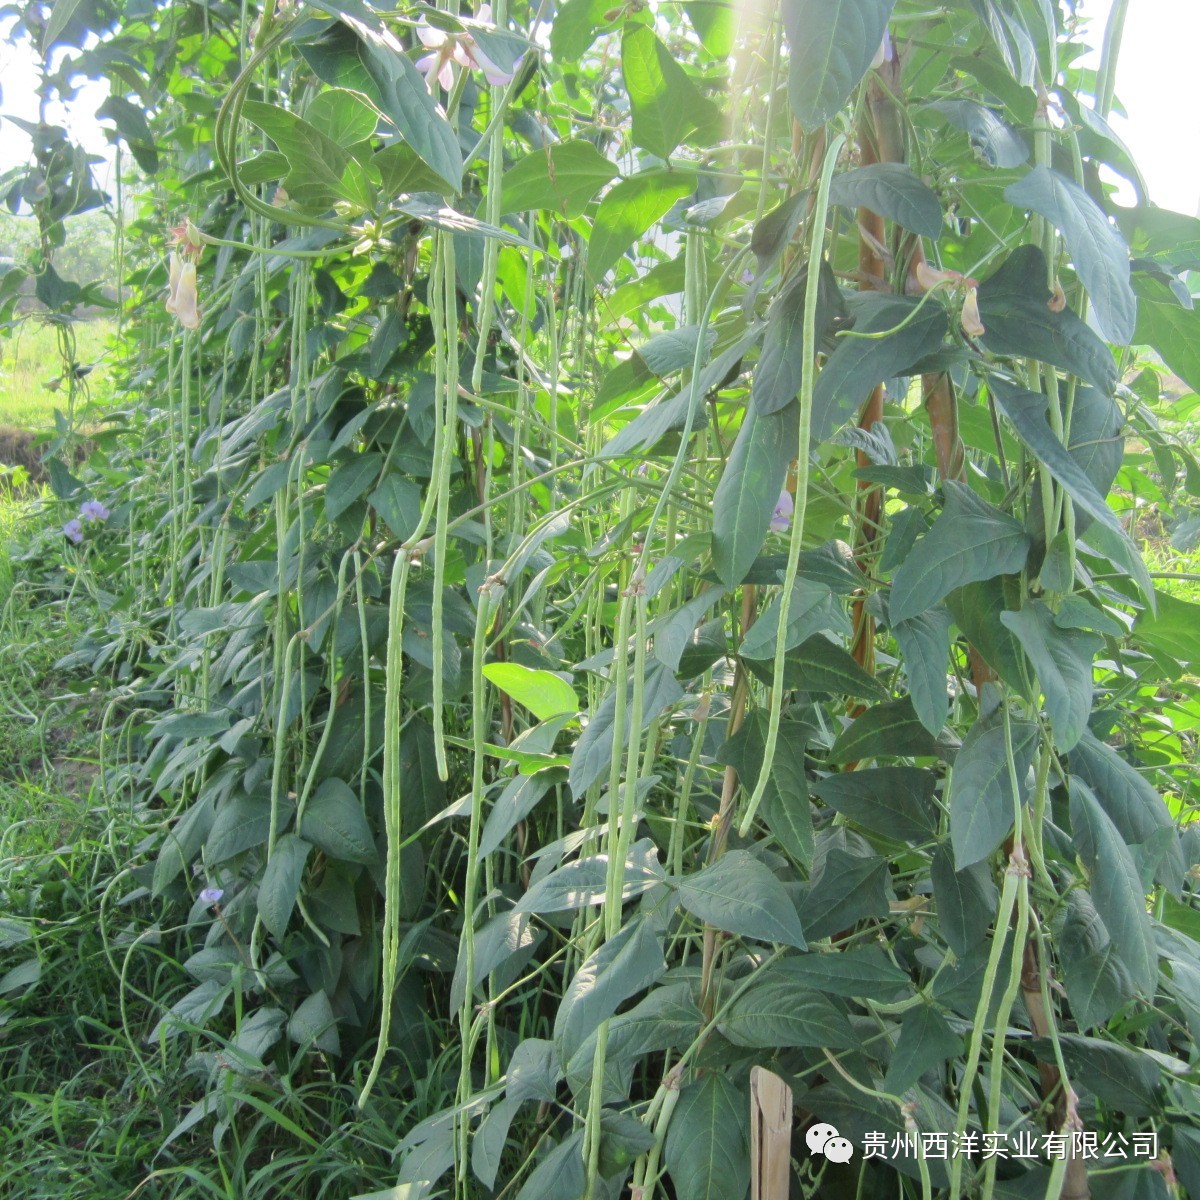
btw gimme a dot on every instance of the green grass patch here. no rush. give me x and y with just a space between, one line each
31 384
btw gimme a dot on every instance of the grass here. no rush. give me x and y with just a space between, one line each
30 366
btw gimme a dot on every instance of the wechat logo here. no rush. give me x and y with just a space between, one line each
825 1139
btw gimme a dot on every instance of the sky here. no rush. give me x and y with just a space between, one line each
1154 84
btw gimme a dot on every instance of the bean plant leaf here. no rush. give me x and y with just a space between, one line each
982 804
832 44
1097 249
966 901
545 694
626 964
894 191
707 1148
772 1012
926 1040
924 641
628 210
900 336
1063 661
666 104
996 142
892 728
1014 308
333 821
1168 327
1129 800
894 801
280 883
780 367
740 895
970 541
563 177
405 99
749 489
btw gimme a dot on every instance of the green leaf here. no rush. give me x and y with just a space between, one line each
1122 1076
1116 888
976 610
857 972
487 1146
1096 980
819 665
280 884
926 1041
343 116
966 901
968 542
627 212
518 799
545 694
850 888
780 367
714 21
349 481
814 609
1172 631
593 752
994 141
575 27
397 500
1132 804
894 191
1014 309
1063 661
749 489
894 801
626 964
560 1175
563 177
858 364
739 895
507 938
193 1011
666 104
982 805
785 805
770 237
584 882
832 44
333 821
405 99
774 1013
1097 249
241 824
622 1138
311 154
892 729
314 1022
1168 327
924 641
707 1148
1028 412
60 18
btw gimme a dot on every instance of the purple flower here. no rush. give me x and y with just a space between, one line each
781 518
93 510
747 277
74 530
212 895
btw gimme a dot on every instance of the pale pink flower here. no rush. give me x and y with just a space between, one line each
971 324
781 518
181 300
461 48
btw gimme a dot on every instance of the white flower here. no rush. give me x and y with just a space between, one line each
458 48
971 324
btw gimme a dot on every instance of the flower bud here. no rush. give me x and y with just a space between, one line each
971 324
1058 300
930 277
